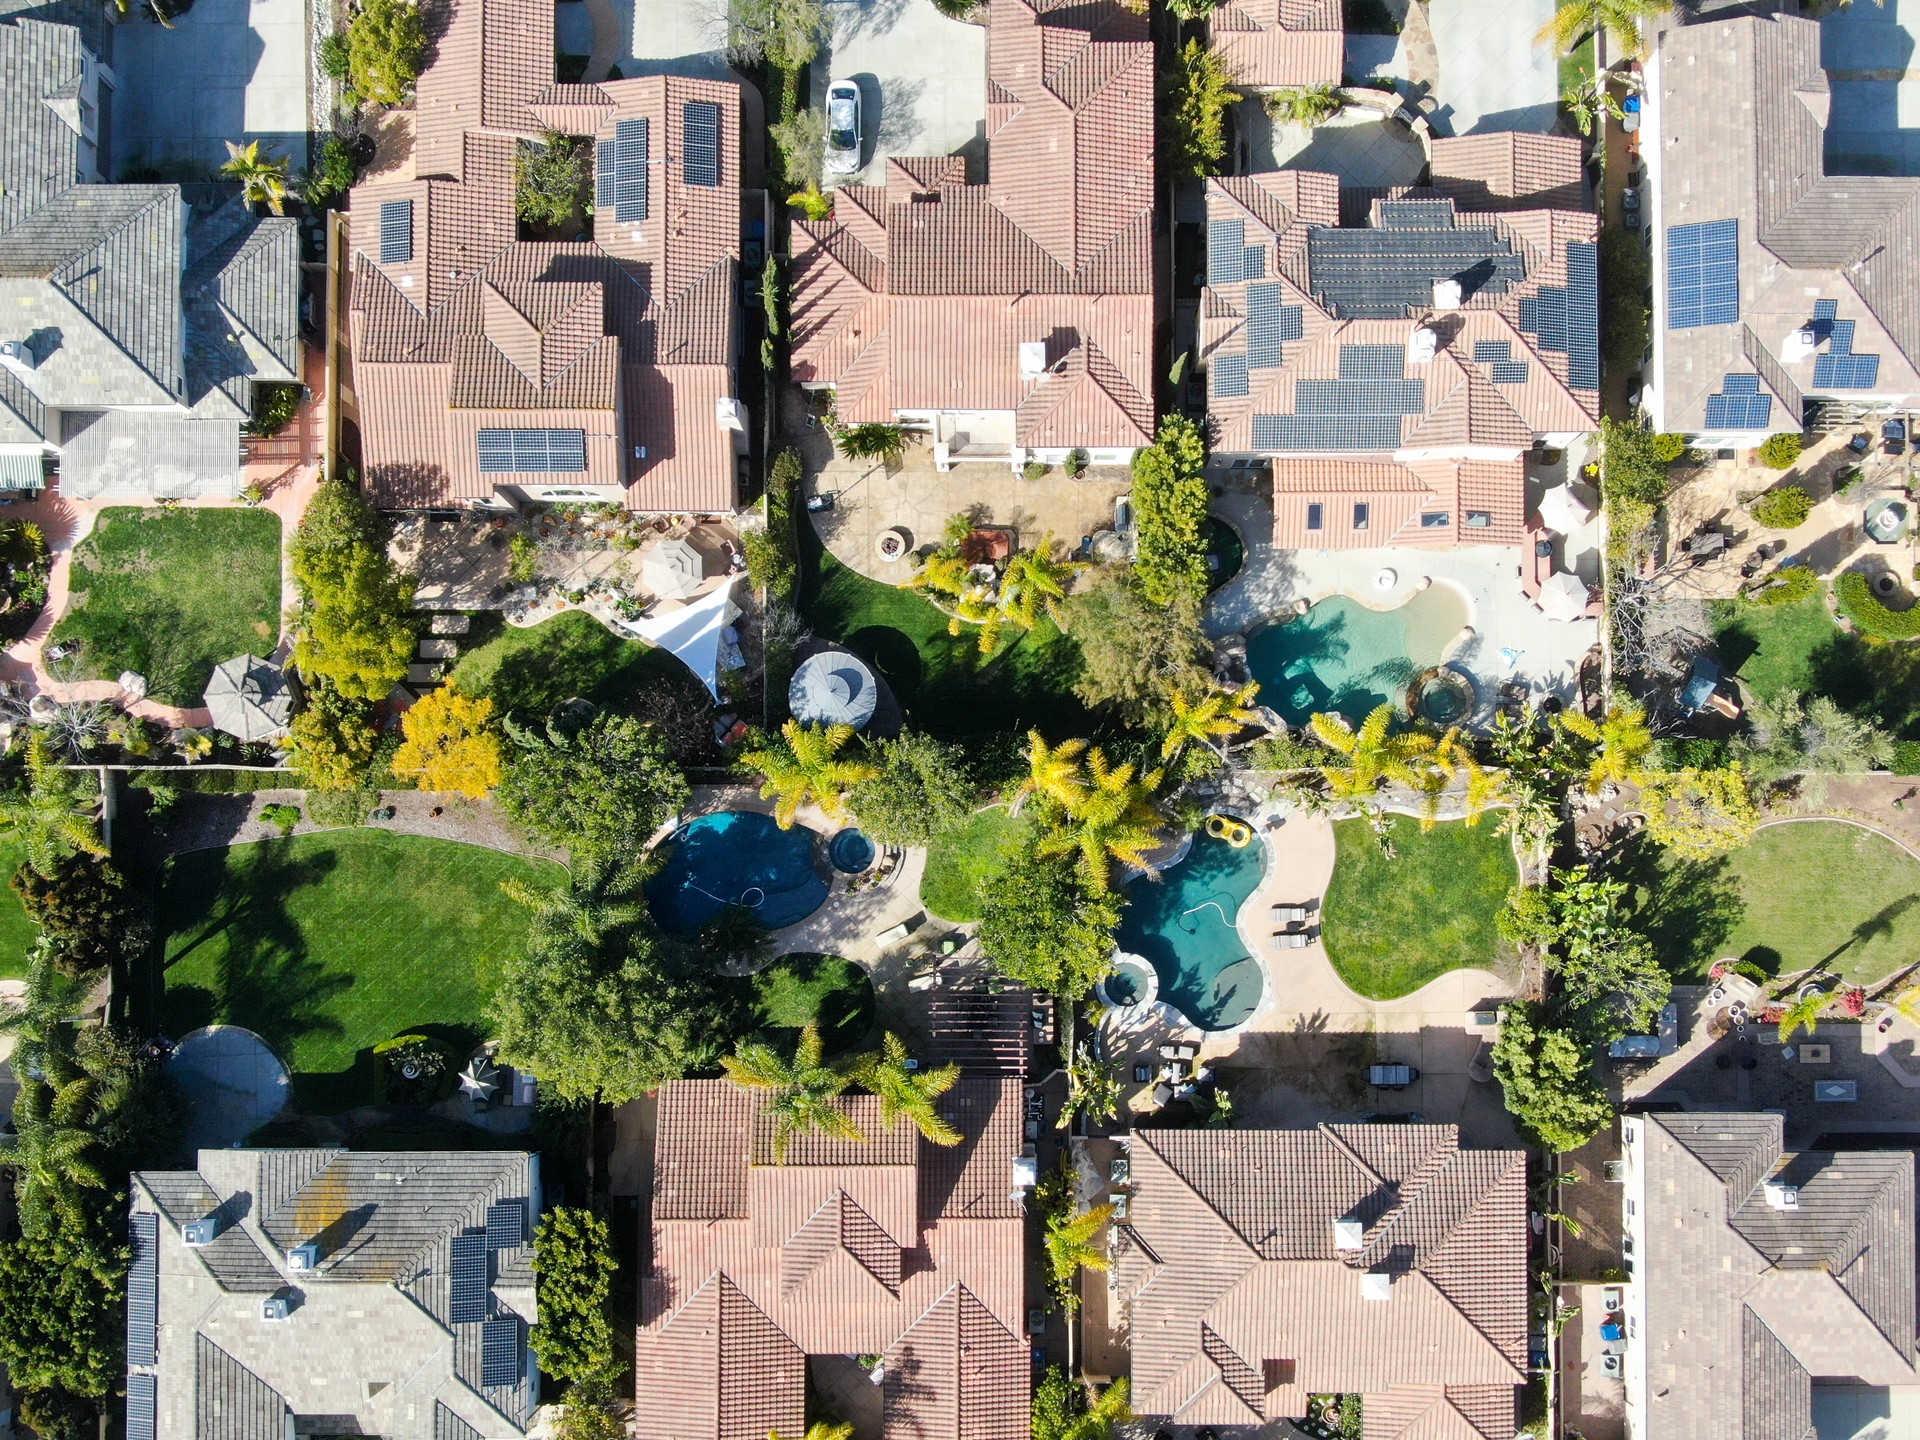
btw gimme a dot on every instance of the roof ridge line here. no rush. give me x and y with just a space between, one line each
1353 1157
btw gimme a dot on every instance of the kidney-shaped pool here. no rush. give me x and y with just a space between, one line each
1345 656
1185 926
735 857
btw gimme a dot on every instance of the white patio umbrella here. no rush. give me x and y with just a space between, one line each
480 1079
248 697
1562 511
1563 597
672 569
834 688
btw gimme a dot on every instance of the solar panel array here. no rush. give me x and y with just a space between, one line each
143 1290
1583 316
1361 410
1825 309
500 1351
1270 324
700 142
1703 274
1372 362
1840 368
143 1409
1229 373
506 1224
1226 251
1384 273
624 171
1739 405
1497 356
467 1281
1416 214
507 452
396 232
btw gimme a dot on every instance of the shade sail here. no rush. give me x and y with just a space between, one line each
692 633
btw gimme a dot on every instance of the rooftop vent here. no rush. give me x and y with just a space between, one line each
731 414
1781 1196
1799 344
1421 345
1349 1235
203 1231
274 1309
18 355
1446 295
1033 360
1376 1285
304 1257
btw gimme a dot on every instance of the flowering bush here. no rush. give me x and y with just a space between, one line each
1853 1002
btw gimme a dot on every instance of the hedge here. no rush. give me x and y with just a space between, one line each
1906 757
1783 509
1781 450
1868 615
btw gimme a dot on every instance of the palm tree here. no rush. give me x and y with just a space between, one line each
1104 1415
1071 1249
1622 740
735 935
1453 758
590 906
52 815
803 1090
1803 1014
906 1091
52 1152
1208 718
1374 756
820 1430
1621 19
1033 582
804 765
1053 773
263 178
1115 819
1093 1090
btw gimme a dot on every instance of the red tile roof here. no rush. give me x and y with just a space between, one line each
1280 44
1510 170
628 336
921 290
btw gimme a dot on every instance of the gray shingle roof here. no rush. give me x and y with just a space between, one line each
233 1402
39 152
243 305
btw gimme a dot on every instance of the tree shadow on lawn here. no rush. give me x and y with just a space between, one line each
1687 908
265 981
1880 681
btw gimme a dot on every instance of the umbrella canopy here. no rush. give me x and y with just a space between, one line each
1564 596
834 688
692 633
672 569
248 697
1562 511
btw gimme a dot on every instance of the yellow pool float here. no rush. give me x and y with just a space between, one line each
1225 827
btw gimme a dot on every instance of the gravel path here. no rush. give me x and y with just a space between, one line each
210 822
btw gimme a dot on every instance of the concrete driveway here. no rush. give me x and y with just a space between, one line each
1492 76
922 79
228 70
648 37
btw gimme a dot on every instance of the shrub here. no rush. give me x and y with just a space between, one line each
1170 503
1863 608
274 407
335 63
341 809
874 441
1696 751
1785 586
1314 105
333 173
956 9
1780 451
1034 470
1784 508
386 43
1625 272
1198 93
1296 750
281 817
1669 447
1076 464
552 179
1906 757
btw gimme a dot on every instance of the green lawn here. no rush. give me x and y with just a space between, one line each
943 683
172 593
1800 896
1390 926
959 862
1576 66
535 668
797 990
1799 647
17 933
327 944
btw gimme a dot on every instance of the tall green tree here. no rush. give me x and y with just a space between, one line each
1547 1077
333 740
1791 733
63 1308
803 1091
573 1267
353 625
1135 653
52 813
784 33
54 1155
552 179
1621 19
86 914
386 46
1198 92
1071 1246
1115 820
1063 1409
599 793
924 786
1170 512
905 1090
803 765
1044 926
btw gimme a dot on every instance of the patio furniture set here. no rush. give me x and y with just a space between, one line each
1298 928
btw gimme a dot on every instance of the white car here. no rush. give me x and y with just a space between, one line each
843 128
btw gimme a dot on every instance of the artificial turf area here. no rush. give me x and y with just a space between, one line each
1392 925
960 860
535 668
1799 647
943 683
325 945
17 933
799 990
170 594
1804 895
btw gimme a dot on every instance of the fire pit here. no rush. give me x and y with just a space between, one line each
892 545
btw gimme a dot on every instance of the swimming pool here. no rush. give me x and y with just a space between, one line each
735 857
1183 925
851 852
1342 655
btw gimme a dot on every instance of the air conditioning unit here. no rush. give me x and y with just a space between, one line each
304 1257
200 1232
275 1308
1781 1196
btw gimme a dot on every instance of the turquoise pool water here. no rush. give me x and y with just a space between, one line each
1343 656
735 858
1184 926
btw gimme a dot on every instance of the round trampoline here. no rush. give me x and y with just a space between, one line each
233 1081
833 688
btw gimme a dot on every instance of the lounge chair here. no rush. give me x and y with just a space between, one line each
1289 914
1291 939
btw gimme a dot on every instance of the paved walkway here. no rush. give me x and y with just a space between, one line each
1492 76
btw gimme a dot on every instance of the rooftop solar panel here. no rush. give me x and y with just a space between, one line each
1372 362
1845 372
500 1351
1543 315
1703 274
1740 384
142 1407
1253 262
1825 309
1739 405
467 1284
396 232
1416 214
1388 272
1583 316
1325 432
556 452
606 166
1508 372
700 124
1487 351
631 154
1229 375
506 1224
143 1290
1269 324
1226 251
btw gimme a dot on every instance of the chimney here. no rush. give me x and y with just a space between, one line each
1376 1285
204 1231
304 1257
1349 1234
1781 1196
274 1309
1798 345
1422 345
731 414
1033 360
1447 294
18 357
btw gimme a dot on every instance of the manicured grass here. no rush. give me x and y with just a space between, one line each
172 593
1390 926
943 683
798 990
327 944
17 933
535 668
1799 647
959 862
1799 896
1576 66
